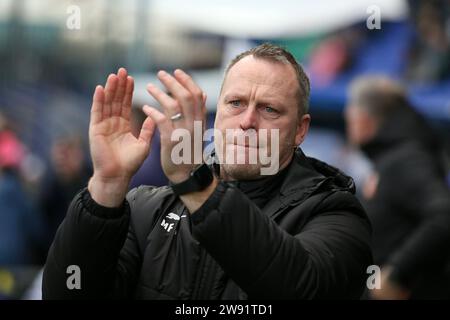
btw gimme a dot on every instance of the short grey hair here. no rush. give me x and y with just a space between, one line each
378 95
276 53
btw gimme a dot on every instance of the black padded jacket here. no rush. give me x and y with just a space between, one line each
309 241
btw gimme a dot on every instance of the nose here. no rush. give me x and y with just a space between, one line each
249 119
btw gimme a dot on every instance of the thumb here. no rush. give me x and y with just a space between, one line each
204 111
159 119
147 130
204 105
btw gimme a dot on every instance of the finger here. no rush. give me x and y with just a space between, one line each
127 99
120 92
197 93
204 111
169 105
180 93
147 130
164 125
204 97
97 105
110 89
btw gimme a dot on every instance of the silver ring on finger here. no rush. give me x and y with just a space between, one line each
177 116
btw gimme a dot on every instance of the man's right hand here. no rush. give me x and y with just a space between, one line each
116 153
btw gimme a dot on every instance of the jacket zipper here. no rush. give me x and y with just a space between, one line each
199 277
205 278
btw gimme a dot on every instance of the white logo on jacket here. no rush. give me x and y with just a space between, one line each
170 216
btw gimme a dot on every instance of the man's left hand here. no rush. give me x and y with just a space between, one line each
182 105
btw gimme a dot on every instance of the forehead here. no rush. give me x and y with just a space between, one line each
274 77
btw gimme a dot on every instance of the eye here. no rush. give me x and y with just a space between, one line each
269 109
235 103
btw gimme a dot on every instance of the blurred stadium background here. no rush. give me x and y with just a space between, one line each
48 72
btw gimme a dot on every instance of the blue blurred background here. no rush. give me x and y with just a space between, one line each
49 67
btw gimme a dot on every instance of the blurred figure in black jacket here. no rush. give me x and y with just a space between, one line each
406 197
68 173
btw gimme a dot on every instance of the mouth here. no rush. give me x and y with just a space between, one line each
245 146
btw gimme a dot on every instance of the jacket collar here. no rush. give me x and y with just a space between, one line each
305 177
401 127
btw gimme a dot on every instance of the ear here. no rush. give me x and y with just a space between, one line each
302 129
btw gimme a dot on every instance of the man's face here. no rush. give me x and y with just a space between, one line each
259 94
361 126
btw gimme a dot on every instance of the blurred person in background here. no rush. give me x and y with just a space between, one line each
22 229
335 54
429 59
406 197
69 172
